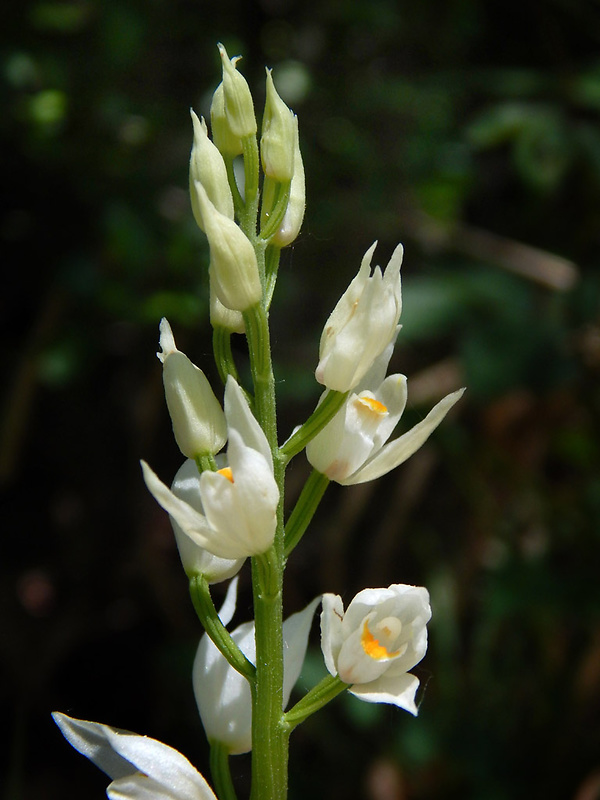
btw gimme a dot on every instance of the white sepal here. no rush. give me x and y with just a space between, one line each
140 768
223 695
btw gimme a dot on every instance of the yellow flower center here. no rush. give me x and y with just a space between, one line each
371 406
227 473
379 646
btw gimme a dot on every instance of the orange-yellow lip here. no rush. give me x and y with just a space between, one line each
373 647
373 405
227 473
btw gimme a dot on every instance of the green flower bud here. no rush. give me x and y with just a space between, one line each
277 139
292 221
239 107
233 264
198 419
223 317
208 167
226 141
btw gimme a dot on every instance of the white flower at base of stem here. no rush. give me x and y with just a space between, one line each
373 645
140 768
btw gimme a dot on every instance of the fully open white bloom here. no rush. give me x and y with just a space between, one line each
376 641
352 447
362 324
239 502
140 768
198 420
223 695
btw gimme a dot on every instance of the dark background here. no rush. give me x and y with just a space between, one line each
468 130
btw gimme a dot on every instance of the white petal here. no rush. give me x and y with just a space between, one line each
296 629
399 691
239 417
331 630
222 694
396 452
134 759
196 559
90 739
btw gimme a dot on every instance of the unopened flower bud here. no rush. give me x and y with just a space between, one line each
226 141
292 221
208 167
239 108
233 264
277 139
198 419
223 317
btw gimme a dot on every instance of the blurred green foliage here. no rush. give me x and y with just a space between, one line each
466 129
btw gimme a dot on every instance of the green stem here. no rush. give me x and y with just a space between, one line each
206 462
221 774
271 268
319 696
304 510
269 739
238 202
223 355
323 413
207 613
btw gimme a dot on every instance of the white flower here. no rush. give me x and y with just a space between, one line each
352 447
239 502
140 768
223 695
362 324
198 420
376 641
195 559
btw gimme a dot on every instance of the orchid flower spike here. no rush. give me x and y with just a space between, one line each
354 448
139 767
238 502
362 324
372 645
223 695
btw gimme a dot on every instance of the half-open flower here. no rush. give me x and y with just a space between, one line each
197 560
223 695
354 447
140 768
362 324
239 501
198 420
374 644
